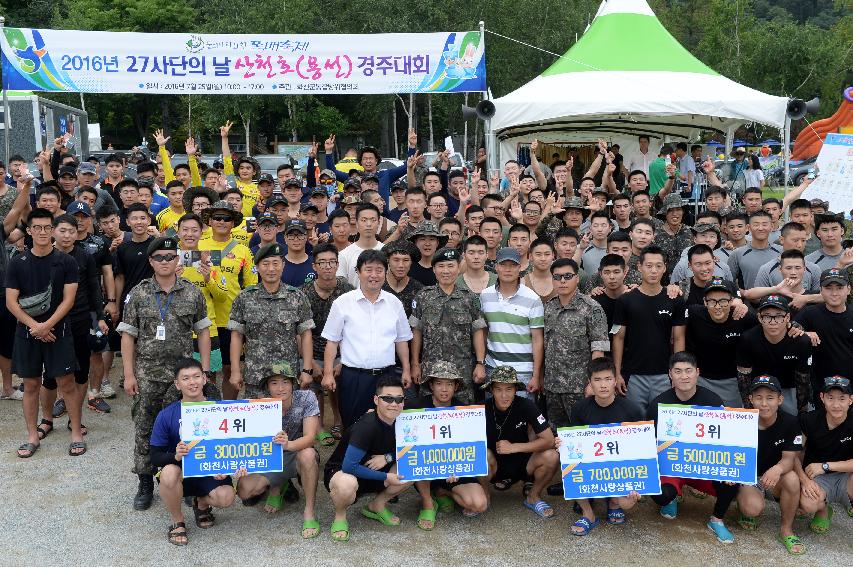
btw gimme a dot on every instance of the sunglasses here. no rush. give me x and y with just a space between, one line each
392 399
163 257
563 277
221 218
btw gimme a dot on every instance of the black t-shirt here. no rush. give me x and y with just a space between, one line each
425 402
715 344
511 425
781 360
424 275
588 412
834 354
99 247
88 296
702 397
824 444
609 306
132 263
784 435
649 321
696 295
31 274
370 434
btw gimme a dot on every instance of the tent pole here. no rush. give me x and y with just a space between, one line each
5 108
488 136
786 154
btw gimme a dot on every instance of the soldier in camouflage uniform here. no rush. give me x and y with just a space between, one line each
673 236
157 329
573 214
575 331
448 324
270 317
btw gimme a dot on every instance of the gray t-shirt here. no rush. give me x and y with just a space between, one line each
304 405
769 275
824 260
744 262
591 258
682 270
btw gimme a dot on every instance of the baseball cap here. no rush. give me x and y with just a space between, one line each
319 191
766 381
719 284
353 182
266 178
774 300
508 254
328 173
834 275
79 207
293 182
267 217
295 224
839 382
504 375
276 199
309 207
87 167
68 170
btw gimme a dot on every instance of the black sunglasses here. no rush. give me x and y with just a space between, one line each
560 277
221 218
392 399
163 257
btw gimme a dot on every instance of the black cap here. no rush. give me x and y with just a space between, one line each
720 284
836 382
353 182
295 224
276 199
162 243
310 207
447 254
266 178
774 300
274 249
834 275
319 191
766 381
69 169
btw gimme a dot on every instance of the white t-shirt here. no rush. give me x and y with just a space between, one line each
753 177
347 260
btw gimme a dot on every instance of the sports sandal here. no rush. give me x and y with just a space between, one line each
44 428
585 526
427 515
444 503
177 531
339 526
821 525
83 429
325 439
539 508
502 485
29 449
616 516
790 541
384 517
337 432
311 524
748 523
273 504
77 448
203 518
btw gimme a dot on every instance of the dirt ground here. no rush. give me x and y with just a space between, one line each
65 510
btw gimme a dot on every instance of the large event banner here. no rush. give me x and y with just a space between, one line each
228 435
711 443
187 63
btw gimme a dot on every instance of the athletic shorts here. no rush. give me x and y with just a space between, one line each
7 331
442 483
215 354
32 358
289 470
365 485
224 345
512 468
834 484
82 353
204 485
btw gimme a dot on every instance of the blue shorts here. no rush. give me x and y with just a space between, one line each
204 485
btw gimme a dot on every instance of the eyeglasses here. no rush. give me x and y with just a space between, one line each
718 302
163 257
836 381
563 277
41 228
296 235
326 263
772 318
392 399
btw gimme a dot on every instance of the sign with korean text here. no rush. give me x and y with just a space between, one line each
599 461
834 166
187 63
441 442
229 435
711 443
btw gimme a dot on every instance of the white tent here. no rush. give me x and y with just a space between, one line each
627 76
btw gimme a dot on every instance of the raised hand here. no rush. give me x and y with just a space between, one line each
329 144
225 129
160 138
534 146
190 147
413 138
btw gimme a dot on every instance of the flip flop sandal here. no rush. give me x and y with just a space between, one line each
43 431
325 439
274 501
30 449
616 516
790 541
502 485
204 519
384 517
173 534
821 525
585 525
253 500
427 515
444 503
83 429
748 523
539 508
311 524
337 432
77 446
339 526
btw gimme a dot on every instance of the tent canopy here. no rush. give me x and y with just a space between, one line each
628 76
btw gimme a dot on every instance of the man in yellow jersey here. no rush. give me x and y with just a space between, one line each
232 269
167 219
245 174
234 197
197 199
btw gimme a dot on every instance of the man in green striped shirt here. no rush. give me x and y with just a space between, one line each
516 323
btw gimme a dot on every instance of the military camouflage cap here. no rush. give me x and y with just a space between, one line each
671 202
279 368
504 375
428 228
442 369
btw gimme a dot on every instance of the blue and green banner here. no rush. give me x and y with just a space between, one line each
187 63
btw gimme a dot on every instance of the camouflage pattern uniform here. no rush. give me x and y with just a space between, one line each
672 244
320 311
270 324
156 359
572 333
410 229
447 323
632 275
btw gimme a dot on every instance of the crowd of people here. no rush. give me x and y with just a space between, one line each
552 294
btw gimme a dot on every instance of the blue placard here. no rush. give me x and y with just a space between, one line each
226 456
611 478
709 462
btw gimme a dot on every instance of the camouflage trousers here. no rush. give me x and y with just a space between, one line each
559 407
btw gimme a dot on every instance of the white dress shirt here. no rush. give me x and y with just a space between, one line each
367 332
641 161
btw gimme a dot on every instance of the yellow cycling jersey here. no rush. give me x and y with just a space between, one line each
192 275
238 233
167 218
250 191
230 273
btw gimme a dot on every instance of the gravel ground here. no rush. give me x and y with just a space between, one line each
64 510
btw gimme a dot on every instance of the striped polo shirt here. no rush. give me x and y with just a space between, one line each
510 320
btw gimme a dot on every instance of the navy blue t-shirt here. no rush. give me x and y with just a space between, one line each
167 427
298 275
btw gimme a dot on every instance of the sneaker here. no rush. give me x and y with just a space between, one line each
721 531
107 391
59 408
15 395
670 511
98 405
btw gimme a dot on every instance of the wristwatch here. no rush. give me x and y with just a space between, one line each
308 372
389 458
825 467
483 362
